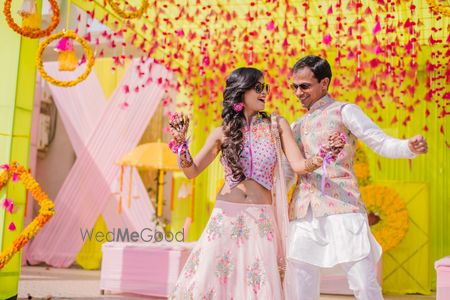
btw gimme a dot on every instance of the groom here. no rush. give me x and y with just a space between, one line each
329 225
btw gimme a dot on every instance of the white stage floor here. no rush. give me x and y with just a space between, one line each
51 283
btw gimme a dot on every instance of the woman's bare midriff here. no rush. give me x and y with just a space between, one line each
247 191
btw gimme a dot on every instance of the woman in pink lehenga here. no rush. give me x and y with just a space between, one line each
241 251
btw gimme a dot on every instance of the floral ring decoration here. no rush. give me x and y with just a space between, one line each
27 28
68 35
388 215
47 208
129 15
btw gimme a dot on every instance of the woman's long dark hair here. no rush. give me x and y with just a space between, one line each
237 83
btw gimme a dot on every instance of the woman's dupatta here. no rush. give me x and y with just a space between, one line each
279 196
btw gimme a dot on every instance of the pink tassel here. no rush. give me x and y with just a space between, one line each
330 10
180 32
7 203
64 44
206 61
166 101
82 60
378 50
12 226
10 208
15 177
87 37
377 28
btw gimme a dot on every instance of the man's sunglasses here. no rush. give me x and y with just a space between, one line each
302 86
260 87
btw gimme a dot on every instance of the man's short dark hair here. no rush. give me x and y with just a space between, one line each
319 66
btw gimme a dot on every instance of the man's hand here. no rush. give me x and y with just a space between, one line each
418 144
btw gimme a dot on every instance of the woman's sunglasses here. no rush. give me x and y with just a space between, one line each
260 87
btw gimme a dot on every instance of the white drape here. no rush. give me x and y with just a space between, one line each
99 143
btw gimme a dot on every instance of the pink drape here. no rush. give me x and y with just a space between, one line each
80 110
87 189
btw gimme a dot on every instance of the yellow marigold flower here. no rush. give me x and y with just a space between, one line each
388 208
45 213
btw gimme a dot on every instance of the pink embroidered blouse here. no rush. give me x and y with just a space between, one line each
258 157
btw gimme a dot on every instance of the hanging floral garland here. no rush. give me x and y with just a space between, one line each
61 35
388 215
440 9
32 32
177 36
46 211
128 15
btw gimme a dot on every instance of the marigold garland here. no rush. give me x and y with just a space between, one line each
128 15
388 206
86 48
441 9
32 32
45 213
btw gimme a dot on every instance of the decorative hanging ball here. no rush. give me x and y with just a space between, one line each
67 58
30 18
28 8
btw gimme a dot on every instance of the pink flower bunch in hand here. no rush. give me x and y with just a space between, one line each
336 143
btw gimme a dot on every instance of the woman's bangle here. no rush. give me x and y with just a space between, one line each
310 165
185 160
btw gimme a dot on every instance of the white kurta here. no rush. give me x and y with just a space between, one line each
335 239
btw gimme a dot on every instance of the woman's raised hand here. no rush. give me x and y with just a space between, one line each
179 125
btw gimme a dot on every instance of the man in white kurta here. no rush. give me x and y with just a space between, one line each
329 225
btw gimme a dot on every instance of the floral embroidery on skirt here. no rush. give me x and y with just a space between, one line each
214 229
240 230
235 258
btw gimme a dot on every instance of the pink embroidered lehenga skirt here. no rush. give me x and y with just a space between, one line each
235 258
